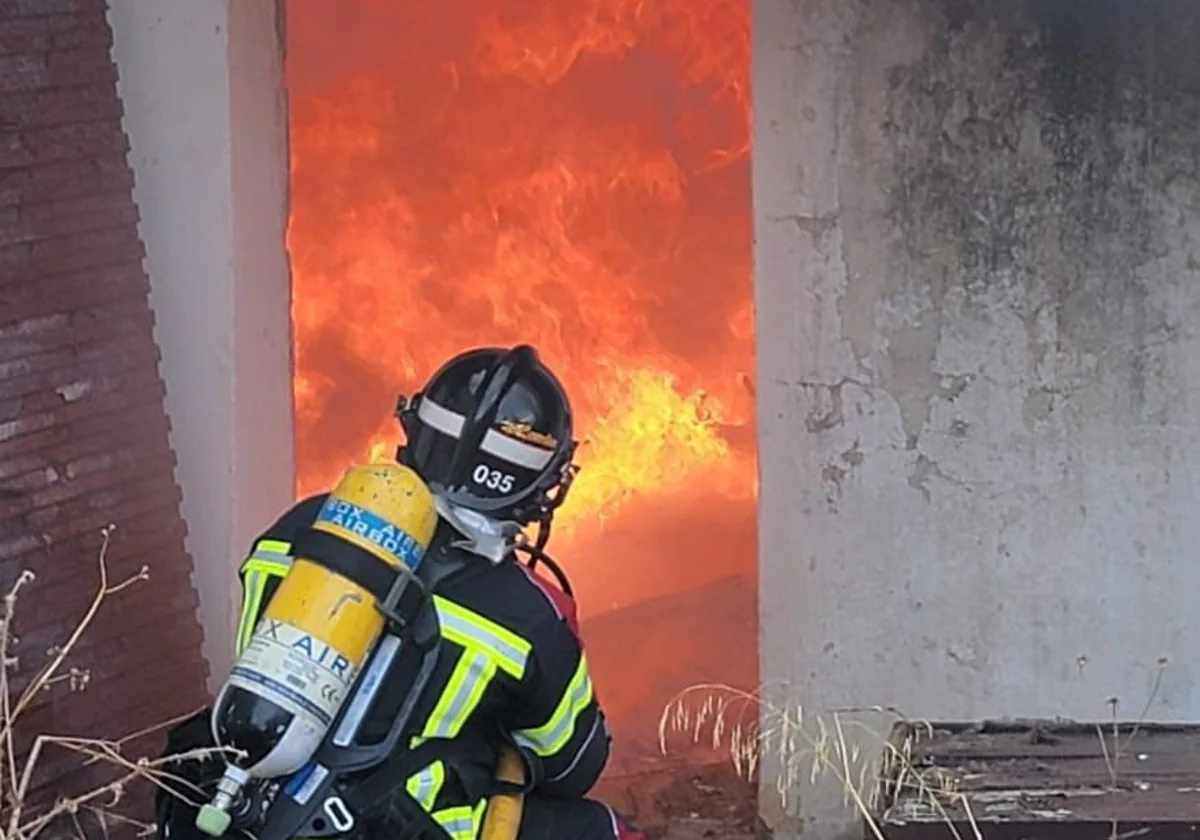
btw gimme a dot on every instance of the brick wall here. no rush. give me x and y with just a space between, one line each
83 431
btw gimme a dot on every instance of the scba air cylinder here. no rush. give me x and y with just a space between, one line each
316 633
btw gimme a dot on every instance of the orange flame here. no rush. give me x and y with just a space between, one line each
573 175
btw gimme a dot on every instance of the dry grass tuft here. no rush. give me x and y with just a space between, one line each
22 817
805 747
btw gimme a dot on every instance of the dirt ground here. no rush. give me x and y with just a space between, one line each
685 802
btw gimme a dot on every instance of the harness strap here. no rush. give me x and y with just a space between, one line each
386 785
346 559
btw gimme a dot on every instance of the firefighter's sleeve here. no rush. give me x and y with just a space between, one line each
558 722
267 564
260 573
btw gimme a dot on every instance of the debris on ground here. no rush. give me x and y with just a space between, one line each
1043 778
679 801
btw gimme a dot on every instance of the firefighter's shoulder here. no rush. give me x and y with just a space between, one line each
506 595
300 515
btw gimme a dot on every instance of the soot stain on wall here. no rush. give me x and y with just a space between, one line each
1033 142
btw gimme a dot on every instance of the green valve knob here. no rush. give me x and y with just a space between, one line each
213 821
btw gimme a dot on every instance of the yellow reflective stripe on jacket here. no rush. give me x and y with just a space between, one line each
253 585
487 647
427 784
461 822
556 732
269 559
473 631
464 690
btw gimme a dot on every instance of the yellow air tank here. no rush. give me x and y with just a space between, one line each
502 819
317 631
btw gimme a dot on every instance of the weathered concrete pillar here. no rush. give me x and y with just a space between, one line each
202 86
978 309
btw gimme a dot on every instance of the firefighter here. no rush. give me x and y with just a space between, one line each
491 433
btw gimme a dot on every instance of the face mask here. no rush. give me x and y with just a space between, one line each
484 536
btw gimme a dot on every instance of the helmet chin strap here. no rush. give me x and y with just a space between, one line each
486 537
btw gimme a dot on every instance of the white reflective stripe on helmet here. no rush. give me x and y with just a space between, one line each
514 451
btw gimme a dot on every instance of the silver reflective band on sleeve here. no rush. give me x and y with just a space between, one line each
273 557
552 736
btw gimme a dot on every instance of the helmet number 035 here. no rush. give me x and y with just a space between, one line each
493 479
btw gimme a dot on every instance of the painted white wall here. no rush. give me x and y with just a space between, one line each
978 314
202 87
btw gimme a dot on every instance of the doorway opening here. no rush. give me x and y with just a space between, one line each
576 176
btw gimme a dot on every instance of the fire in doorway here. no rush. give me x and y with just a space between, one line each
570 174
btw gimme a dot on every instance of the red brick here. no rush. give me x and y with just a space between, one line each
18 545
58 106
22 434
156 692
29 229
12 225
72 291
26 424
169 689
54 33
90 32
136 424
40 629
135 394
69 142
64 179
110 426
118 244
25 262
61 368
148 540
81 221
138 509
125 364
22 72
64 567
19 35
79 714
107 202
31 336
14 151
19 466
37 8
113 631
78 67
14 232
65 591
114 328
147 523
120 632
83 433
118 472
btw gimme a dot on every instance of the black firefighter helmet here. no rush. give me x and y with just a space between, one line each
492 432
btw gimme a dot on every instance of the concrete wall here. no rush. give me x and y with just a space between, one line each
202 86
978 304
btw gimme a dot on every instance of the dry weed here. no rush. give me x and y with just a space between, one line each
22 818
806 746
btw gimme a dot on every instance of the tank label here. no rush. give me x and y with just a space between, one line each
372 528
297 670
